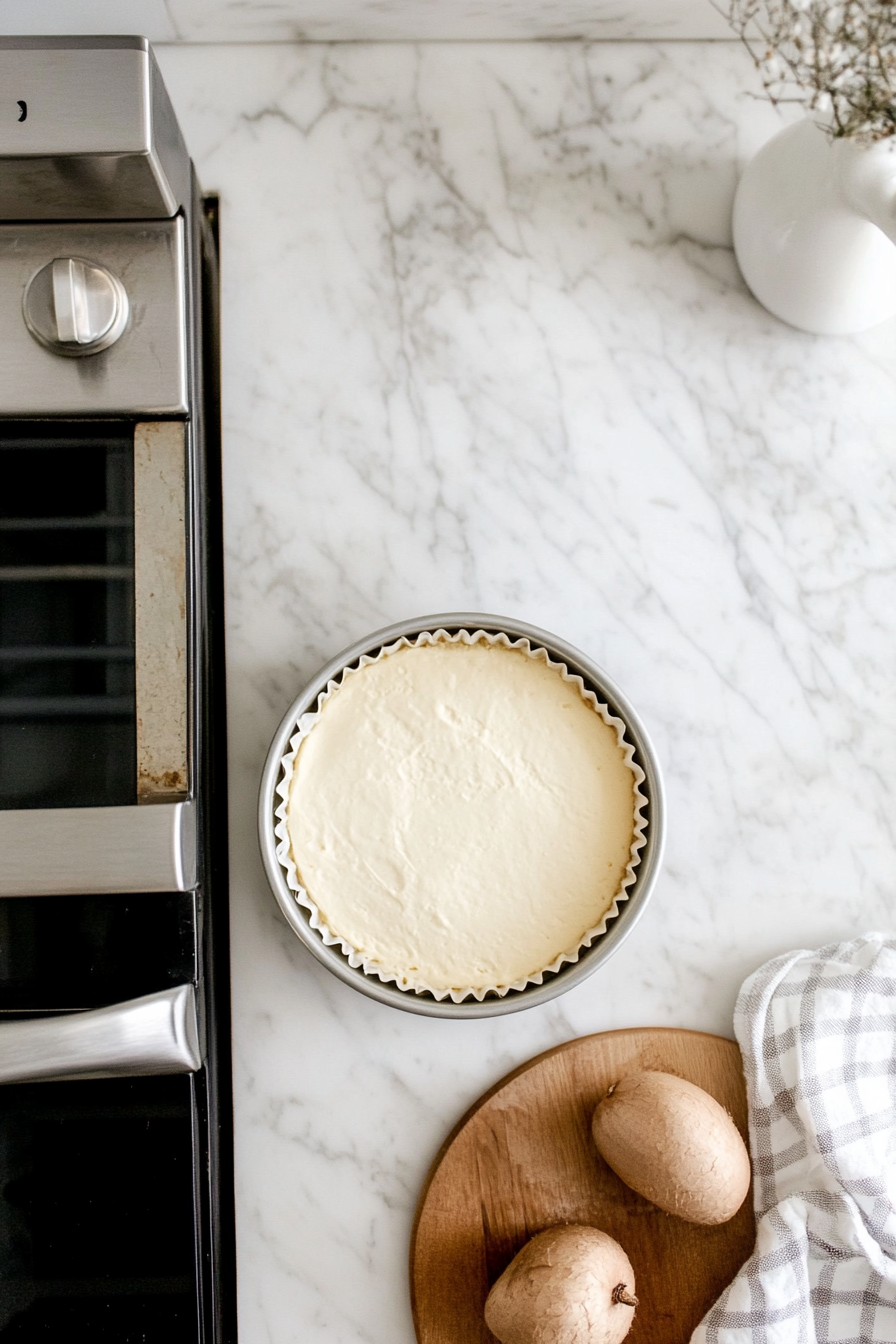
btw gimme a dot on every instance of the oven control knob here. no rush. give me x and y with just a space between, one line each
75 307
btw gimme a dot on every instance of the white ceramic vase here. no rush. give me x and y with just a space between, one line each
815 230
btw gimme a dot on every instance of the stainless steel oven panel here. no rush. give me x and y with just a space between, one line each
156 1034
87 131
70 851
145 371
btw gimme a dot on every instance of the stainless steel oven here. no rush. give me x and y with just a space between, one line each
116 1206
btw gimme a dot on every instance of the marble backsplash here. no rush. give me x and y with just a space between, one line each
366 20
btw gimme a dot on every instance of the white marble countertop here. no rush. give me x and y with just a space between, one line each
486 347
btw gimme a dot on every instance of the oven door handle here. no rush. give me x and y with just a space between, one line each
155 1034
67 851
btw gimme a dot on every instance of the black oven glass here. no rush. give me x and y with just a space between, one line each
64 953
67 700
97 1227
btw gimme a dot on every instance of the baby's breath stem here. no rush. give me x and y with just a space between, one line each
836 57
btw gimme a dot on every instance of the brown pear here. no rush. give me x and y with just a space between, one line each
675 1145
568 1285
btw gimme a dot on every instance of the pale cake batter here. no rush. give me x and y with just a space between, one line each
460 815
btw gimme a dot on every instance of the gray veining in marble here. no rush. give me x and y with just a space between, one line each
486 346
444 20
366 20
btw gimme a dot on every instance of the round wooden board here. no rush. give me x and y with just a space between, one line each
522 1159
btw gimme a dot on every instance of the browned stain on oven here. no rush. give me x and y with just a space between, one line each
160 563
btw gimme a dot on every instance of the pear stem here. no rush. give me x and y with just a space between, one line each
623 1296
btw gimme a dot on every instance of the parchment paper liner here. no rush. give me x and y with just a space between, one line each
305 725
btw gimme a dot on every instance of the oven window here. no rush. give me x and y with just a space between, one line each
97 1212
65 953
67 699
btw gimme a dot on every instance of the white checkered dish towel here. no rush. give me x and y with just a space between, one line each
818 1036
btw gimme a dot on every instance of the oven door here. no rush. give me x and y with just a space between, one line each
100 1143
101 1108
110 1173
94 620
97 1228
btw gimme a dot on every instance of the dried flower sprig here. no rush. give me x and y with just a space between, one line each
836 58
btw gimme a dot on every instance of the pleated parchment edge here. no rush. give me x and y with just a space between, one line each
305 725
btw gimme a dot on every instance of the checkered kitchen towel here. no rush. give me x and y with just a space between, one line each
818 1035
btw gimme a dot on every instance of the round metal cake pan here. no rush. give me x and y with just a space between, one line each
572 973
